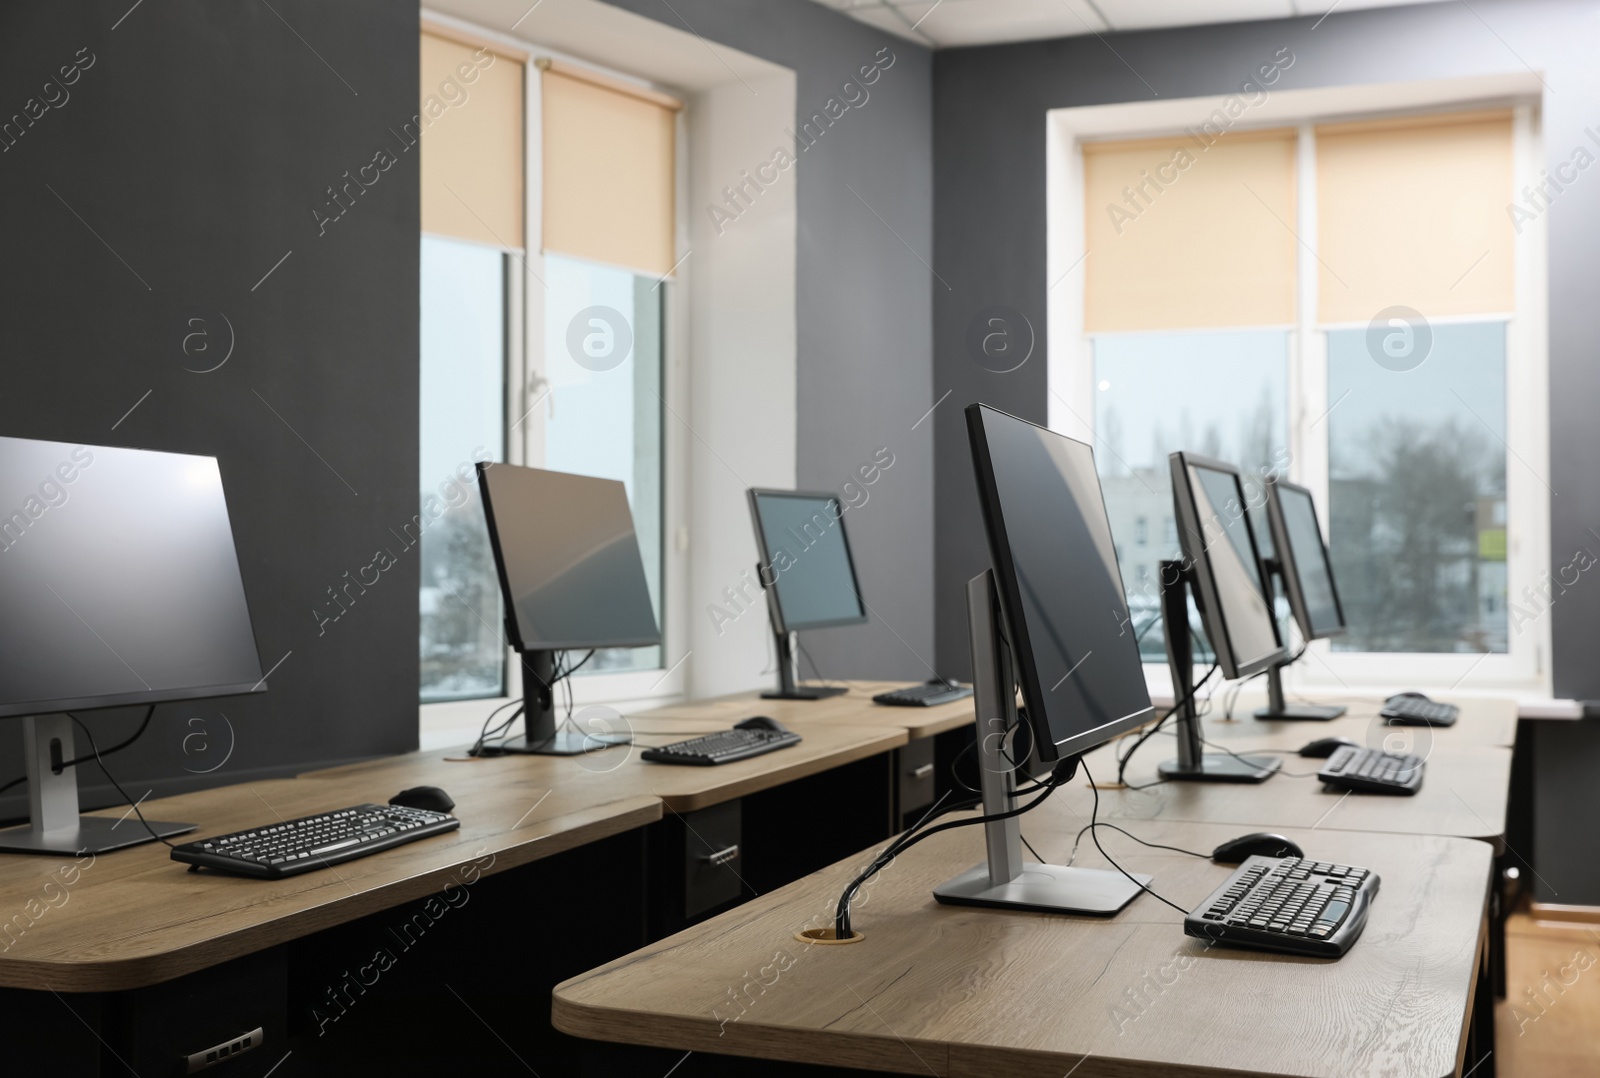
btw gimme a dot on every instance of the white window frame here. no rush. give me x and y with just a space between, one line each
1525 669
448 721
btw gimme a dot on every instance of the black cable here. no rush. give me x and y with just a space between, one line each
86 757
106 772
1122 761
1153 845
483 733
1248 763
1094 834
841 923
1028 844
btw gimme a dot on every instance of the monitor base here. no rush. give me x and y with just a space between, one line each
1220 767
1301 713
1044 889
821 693
561 743
93 834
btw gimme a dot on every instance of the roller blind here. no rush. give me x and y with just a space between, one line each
472 120
1183 233
1412 213
608 171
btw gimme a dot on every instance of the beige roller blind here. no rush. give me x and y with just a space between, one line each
472 121
608 171
1413 213
1183 234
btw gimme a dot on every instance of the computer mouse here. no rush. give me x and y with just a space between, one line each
1413 695
761 722
1261 842
1324 747
424 797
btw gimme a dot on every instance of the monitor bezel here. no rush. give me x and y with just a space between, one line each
1189 530
755 494
1008 587
513 624
1289 562
24 708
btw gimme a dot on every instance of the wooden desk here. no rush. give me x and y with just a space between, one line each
853 708
960 991
1464 794
134 917
1483 721
612 773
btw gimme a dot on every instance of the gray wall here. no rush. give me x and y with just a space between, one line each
196 148
989 243
863 305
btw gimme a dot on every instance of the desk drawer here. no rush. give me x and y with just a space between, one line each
914 778
711 853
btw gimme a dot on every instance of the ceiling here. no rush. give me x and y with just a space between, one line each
947 23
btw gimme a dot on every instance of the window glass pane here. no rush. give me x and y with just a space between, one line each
1417 487
603 415
463 421
1222 394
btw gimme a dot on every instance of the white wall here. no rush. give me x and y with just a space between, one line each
742 370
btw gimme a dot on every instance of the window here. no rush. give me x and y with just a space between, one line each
1259 296
462 414
538 347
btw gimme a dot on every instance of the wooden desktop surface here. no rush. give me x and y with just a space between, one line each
960 991
854 707
1464 794
135 917
1484 721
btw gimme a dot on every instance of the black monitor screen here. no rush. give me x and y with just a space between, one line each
1056 569
569 561
805 557
1307 559
1218 542
118 579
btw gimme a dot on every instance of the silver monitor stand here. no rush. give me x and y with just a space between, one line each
1005 881
55 826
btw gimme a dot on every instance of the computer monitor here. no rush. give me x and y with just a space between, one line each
1298 557
572 578
1222 564
1049 617
121 586
808 575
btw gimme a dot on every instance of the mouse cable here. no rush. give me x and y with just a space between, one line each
106 771
1073 856
1122 762
1242 760
841 922
86 757
1094 833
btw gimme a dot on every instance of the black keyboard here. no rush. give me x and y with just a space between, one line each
930 694
723 748
1287 904
312 842
1373 771
1416 711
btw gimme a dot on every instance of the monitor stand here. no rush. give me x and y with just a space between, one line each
789 687
1193 765
1004 881
544 737
55 826
1277 709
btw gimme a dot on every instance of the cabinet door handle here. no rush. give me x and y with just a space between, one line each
722 857
922 772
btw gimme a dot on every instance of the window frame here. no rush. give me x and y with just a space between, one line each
1525 667
446 722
